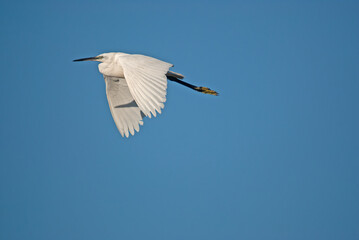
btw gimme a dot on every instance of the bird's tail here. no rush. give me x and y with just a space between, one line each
174 74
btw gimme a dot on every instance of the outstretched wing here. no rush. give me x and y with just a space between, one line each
147 81
125 112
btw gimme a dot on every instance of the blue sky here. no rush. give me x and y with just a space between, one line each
275 156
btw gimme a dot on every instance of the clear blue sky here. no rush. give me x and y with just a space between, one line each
275 156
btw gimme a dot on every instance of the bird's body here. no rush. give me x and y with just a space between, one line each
136 87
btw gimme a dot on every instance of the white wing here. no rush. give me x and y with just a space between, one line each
124 109
147 81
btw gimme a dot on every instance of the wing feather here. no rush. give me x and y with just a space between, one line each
147 81
154 100
141 99
125 111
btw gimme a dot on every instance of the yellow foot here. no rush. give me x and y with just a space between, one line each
206 91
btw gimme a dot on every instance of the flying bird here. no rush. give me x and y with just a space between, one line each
136 87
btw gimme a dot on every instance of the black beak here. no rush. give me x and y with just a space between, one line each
87 59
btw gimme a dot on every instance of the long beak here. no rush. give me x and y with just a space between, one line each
87 59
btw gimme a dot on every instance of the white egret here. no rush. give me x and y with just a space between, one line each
136 87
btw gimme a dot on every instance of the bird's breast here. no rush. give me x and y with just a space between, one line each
112 70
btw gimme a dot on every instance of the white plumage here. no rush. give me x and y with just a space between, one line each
125 111
147 81
136 87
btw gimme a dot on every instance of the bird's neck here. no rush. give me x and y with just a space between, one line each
111 69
